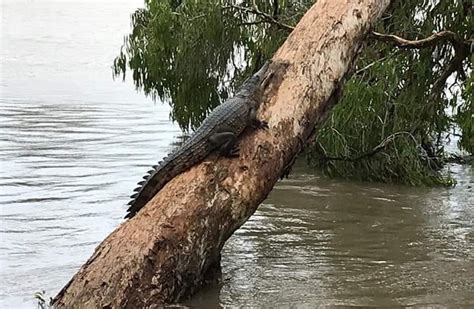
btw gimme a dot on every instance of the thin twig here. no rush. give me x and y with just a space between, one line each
361 70
264 16
252 23
381 146
275 9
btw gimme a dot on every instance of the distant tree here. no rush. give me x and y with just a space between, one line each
411 90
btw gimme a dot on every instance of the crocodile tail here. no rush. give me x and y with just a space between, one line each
154 181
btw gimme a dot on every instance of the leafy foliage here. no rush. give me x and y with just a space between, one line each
399 96
397 110
193 53
465 116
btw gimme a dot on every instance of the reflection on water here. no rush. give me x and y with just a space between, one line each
73 143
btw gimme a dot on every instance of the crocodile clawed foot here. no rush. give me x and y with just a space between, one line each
234 152
259 124
263 125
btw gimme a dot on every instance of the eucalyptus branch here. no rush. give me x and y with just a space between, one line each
432 40
381 146
264 16
197 17
462 50
362 70
252 23
275 9
459 159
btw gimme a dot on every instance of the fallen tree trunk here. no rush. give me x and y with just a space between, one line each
164 253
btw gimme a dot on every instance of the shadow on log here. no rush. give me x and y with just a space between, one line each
162 255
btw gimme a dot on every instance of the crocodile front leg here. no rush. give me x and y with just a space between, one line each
226 143
258 124
254 122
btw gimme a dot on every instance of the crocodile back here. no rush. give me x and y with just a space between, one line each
234 115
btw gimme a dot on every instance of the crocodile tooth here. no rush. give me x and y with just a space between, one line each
145 177
131 202
155 167
134 195
151 172
141 183
137 189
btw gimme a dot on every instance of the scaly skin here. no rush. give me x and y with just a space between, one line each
219 131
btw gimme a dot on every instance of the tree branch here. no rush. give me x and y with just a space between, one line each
381 146
252 23
462 49
459 159
264 16
275 9
432 40
362 70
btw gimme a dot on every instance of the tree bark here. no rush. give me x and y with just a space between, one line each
163 254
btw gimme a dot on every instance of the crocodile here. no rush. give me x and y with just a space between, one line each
219 131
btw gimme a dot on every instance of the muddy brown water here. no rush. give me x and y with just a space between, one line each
73 143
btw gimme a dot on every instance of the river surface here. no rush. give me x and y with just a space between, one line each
73 143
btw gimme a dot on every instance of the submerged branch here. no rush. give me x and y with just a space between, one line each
459 159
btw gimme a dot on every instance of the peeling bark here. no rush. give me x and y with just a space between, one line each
162 255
